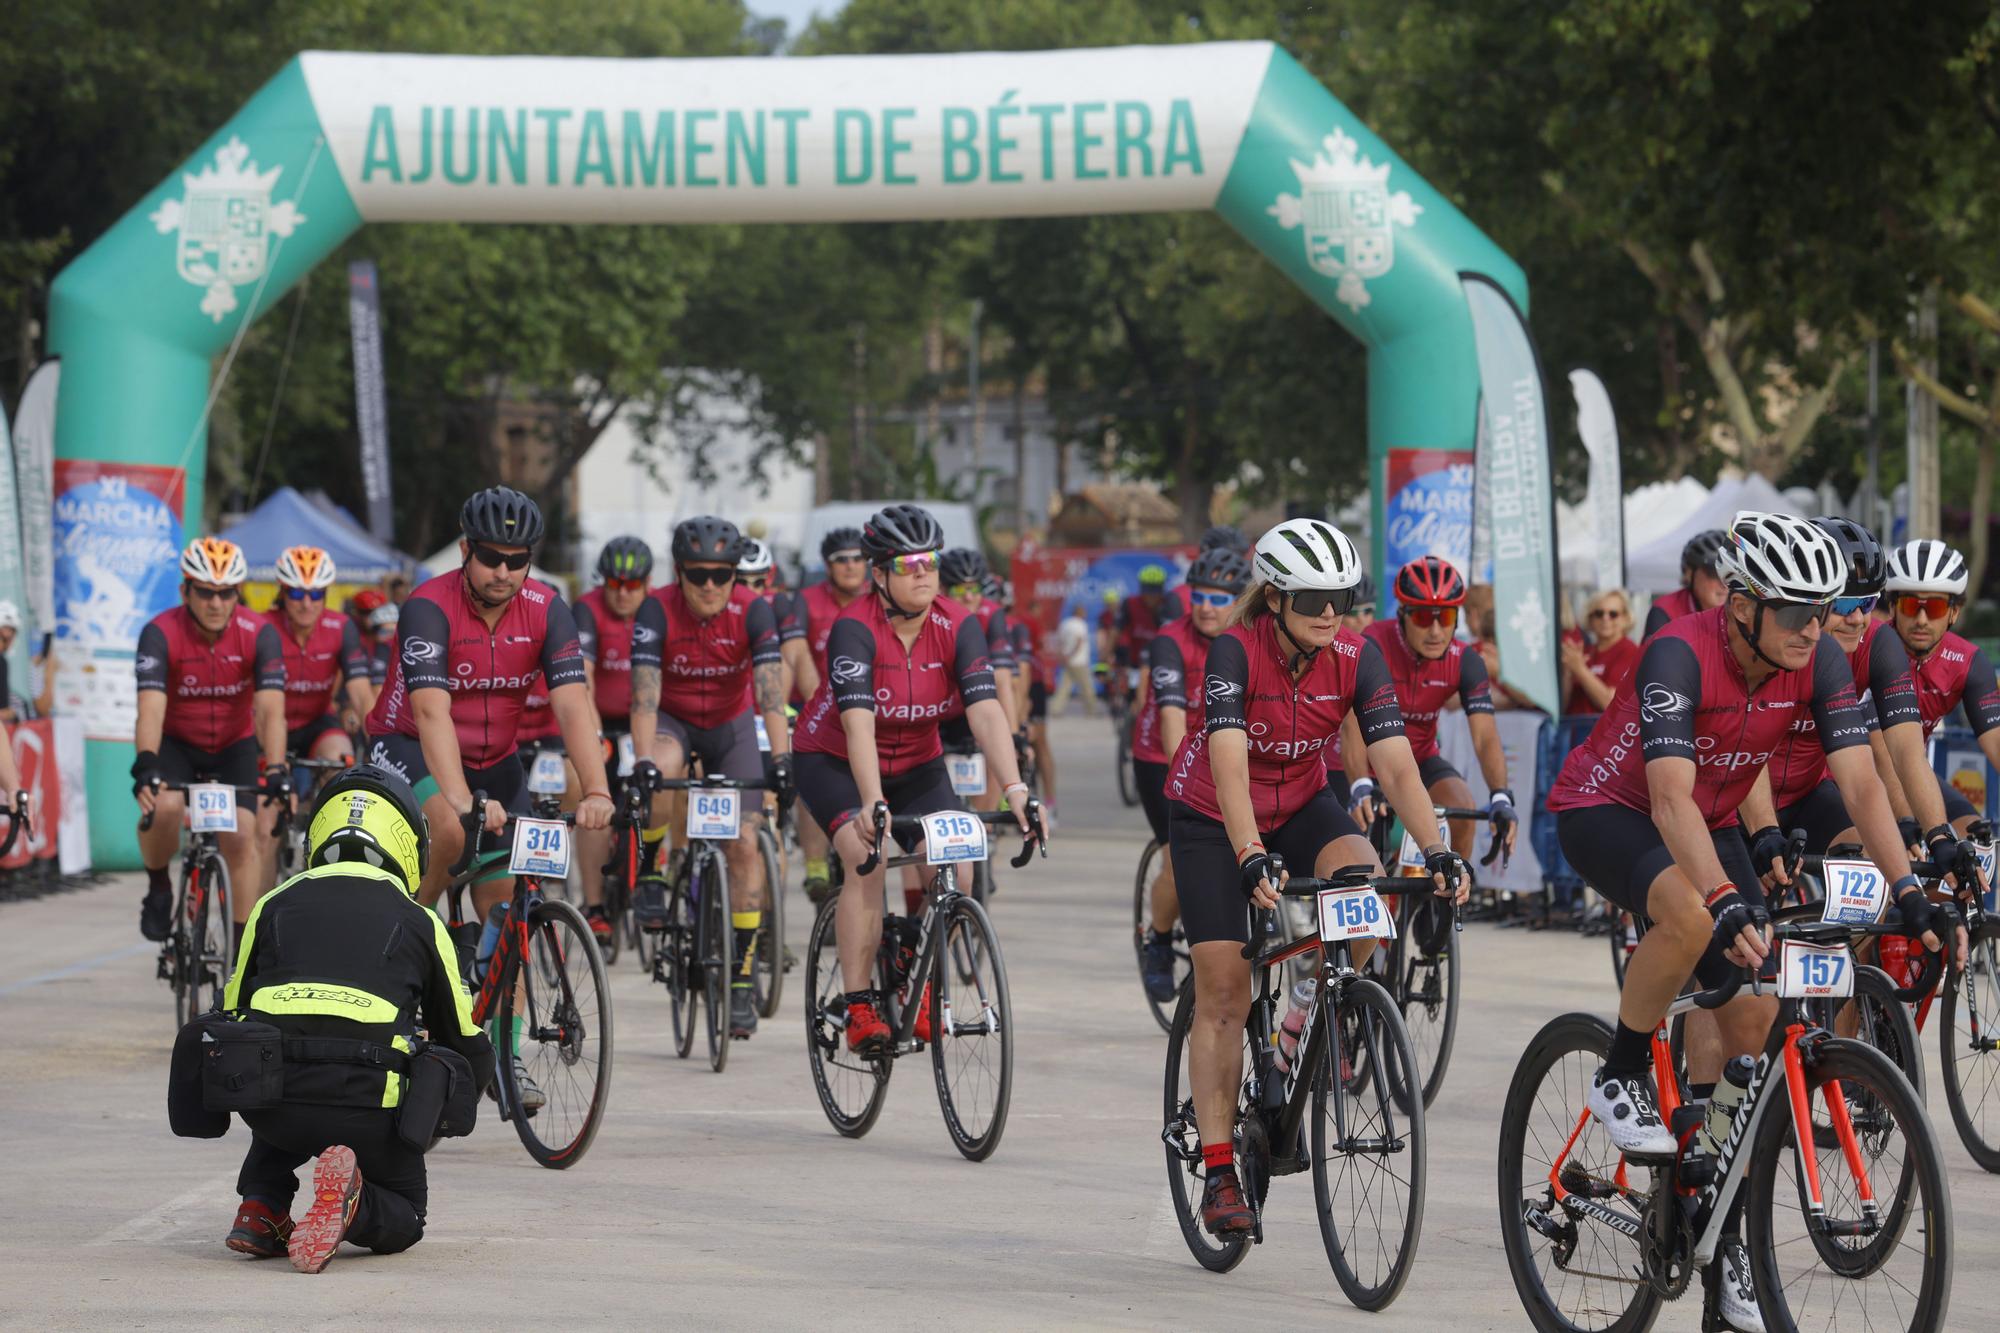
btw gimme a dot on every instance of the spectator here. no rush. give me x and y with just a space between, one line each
397 588
1073 645
1593 673
1480 624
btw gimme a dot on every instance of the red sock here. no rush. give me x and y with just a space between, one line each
1218 1157
913 902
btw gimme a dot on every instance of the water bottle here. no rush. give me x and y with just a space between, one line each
1722 1105
489 940
1295 1022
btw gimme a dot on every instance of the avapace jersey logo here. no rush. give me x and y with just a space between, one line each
1657 702
422 650
1220 689
847 670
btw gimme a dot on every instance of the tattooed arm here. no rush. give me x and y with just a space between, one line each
769 682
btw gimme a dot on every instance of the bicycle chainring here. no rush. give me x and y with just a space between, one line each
1666 1243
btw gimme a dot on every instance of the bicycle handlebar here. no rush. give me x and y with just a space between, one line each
1265 919
146 820
1831 932
1035 836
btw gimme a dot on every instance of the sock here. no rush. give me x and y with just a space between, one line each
157 882
815 867
654 836
913 902
1631 1052
1700 1092
746 924
1217 1158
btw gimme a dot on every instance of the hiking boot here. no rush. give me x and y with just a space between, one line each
336 1191
259 1232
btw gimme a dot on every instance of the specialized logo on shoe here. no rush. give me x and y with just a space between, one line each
1348 214
226 221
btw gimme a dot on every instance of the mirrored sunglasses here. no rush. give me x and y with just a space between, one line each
305 594
1847 606
1315 602
914 562
1935 607
1217 600
1423 617
625 585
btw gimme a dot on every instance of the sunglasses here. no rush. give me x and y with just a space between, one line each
1217 600
1423 617
625 585
305 594
493 559
963 591
213 594
709 575
1315 602
1795 616
1607 613
1847 606
1910 604
754 582
846 558
916 562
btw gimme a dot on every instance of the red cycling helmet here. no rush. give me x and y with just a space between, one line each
1430 581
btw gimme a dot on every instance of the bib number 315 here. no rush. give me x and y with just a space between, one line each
953 835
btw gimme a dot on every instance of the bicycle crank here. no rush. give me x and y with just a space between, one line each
1666 1243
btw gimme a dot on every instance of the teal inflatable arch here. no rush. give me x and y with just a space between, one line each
339 139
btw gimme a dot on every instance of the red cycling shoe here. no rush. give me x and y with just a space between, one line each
1223 1209
867 1035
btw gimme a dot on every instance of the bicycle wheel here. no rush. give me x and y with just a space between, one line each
1142 916
1186 1177
1426 990
715 953
1624 937
1853 1268
178 958
851 1089
676 963
769 979
1574 1268
645 942
1969 1052
972 1030
1368 1152
209 938
1128 781
565 1043
1874 1017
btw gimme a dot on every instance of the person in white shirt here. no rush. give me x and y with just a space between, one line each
1073 643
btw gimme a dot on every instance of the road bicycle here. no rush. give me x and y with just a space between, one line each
198 957
1847 1218
1353 1072
307 775
1142 920
543 985
950 958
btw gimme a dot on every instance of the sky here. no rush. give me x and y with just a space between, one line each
795 13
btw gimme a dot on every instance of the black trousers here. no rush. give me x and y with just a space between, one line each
393 1188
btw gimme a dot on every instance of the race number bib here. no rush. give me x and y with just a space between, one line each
1354 914
211 807
547 778
1412 856
714 813
953 835
968 773
1856 893
541 848
1985 852
1814 971
628 755
763 733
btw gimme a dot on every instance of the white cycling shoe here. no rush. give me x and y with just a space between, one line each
1738 1296
1626 1109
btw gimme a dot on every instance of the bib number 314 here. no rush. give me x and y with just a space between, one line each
541 848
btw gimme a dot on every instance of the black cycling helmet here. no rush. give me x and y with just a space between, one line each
501 516
1867 566
995 590
707 538
1221 567
839 539
625 558
368 813
1702 550
900 530
1225 536
1364 592
962 564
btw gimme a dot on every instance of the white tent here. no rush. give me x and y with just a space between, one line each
1656 566
1650 511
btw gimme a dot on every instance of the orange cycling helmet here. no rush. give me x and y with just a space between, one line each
304 567
1430 581
215 560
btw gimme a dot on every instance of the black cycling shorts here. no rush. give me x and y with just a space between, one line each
300 741
1152 782
235 764
1038 701
1213 904
1619 852
505 781
1821 813
1436 769
826 784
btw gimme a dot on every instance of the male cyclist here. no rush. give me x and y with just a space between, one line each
211 709
757 570
721 668
1144 612
1431 668
378 631
324 658
1647 806
1107 665
962 573
1701 587
621 630
815 608
1926 585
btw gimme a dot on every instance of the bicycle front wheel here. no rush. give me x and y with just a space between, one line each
1368 1152
972 1030
851 1089
209 938
675 965
715 946
769 978
1969 1052
565 1042
1880 1263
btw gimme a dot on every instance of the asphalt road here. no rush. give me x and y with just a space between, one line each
727 1201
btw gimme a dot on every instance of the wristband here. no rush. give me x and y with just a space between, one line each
1246 847
1718 893
1907 881
1500 794
1941 832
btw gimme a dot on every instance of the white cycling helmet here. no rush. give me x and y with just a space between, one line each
10 615
1926 565
306 567
214 560
1779 558
755 558
1307 553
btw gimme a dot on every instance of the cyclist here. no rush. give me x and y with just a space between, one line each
621 630
377 635
1430 669
211 709
1363 614
721 668
901 661
962 574
1032 698
1701 589
1179 653
1926 584
816 607
325 661
1108 652
757 570
1647 808
1275 697
1142 614
1224 537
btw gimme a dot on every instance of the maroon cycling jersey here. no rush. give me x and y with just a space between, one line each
1247 686
1666 610
1952 673
1423 687
1689 700
706 665
210 687
1888 696
817 606
615 646
1138 623
1025 653
331 655
994 625
1178 654
442 643
538 718
785 610
945 668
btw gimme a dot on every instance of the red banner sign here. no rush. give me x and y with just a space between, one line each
35 755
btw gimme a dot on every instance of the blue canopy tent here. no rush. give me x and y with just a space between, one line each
287 518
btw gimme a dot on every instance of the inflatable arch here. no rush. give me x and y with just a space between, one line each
339 139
